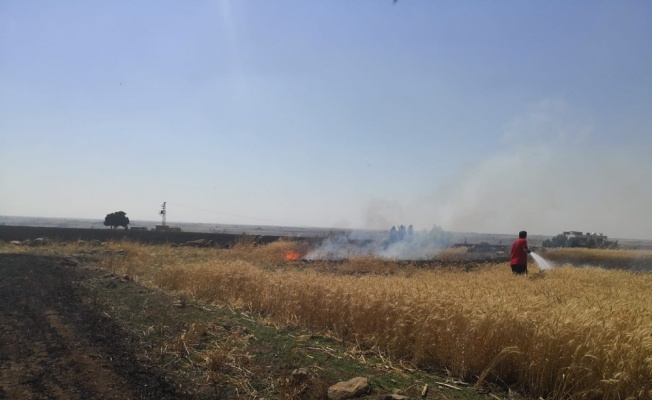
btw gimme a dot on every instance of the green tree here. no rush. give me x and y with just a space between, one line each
573 242
557 241
441 237
116 219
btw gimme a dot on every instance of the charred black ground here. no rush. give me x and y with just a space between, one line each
55 342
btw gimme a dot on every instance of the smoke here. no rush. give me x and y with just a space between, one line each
554 174
381 212
398 244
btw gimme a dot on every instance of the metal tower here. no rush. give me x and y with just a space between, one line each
163 212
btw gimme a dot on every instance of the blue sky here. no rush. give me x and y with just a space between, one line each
472 115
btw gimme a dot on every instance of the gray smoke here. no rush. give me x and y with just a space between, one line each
553 174
397 244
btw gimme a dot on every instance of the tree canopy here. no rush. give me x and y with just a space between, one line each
564 241
116 219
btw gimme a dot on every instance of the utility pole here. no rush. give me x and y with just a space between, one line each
163 212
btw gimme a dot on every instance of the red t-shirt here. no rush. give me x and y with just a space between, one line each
519 257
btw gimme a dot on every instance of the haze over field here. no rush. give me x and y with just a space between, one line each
474 116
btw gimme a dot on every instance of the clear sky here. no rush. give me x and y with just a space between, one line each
484 116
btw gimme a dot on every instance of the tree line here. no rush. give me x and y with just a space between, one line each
562 240
436 236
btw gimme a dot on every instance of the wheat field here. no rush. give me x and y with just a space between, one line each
608 258
567 333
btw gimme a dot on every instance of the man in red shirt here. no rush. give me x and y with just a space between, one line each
519 254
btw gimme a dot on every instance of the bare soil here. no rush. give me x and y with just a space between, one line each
56 343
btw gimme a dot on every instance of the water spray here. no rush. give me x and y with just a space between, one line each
542 263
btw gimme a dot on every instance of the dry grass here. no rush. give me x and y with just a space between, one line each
452 254
221 354
608 258
568 333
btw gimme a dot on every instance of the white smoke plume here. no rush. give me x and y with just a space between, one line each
397 244
553 175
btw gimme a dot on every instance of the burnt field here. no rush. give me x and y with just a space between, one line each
477 254
22 233
462 255
57 342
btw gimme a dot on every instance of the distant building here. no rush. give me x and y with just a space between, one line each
138 228
583 238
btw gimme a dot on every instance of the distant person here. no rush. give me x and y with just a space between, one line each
519 254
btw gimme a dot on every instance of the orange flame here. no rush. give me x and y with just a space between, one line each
292 255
